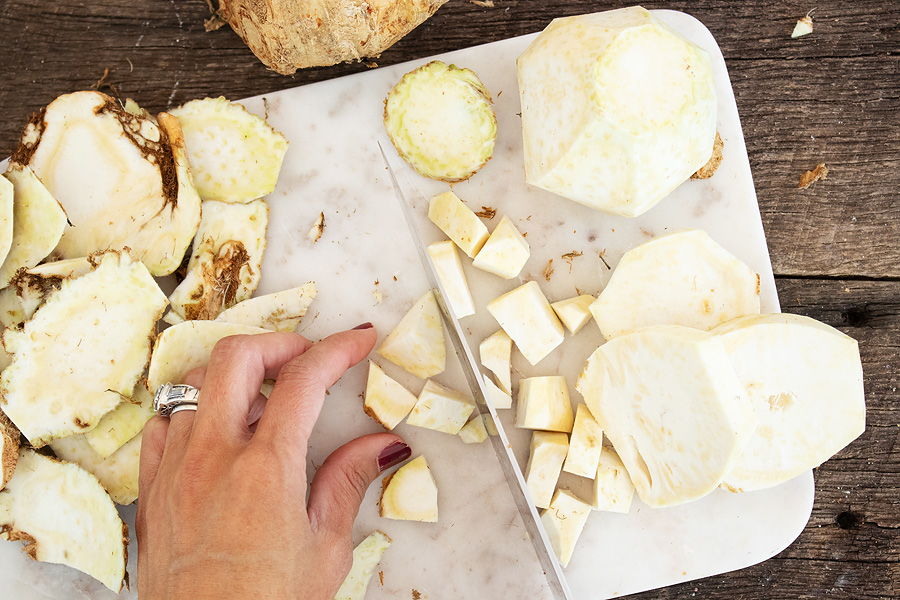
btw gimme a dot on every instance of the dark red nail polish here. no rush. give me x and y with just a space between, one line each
392 455
363 326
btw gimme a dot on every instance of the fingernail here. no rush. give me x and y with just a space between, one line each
363 326
394 454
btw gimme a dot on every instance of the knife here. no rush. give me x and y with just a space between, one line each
502 448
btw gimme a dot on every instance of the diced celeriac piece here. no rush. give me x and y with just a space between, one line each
564 522
673 407
410 494
122 423
235 155
494 396
505 253
6 217
226 262
585 444
449 270
9 449
545 461
526 316
574 312
38 223
83 350
683 278
458 222
613 490
64 516
417 342
597 128
366 557
280 311
495 352
386 401
441 408
804 381
117 473
543 403
474 432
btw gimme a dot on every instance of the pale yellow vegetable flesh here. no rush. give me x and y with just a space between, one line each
117 473
585 445
121 423
505 252
449 270
543 403
525 315
417 342
613 490
495 352
574 312
386 400
458 222
366 557
410 494
6 218
441 408
279 311
474 432
545 460
564 521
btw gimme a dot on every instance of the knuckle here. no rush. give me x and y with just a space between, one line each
233 345
352 483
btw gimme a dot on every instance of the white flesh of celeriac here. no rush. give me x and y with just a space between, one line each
574 312
64 516
474 432
613 490
235 156
449 270
545 460
121 423
505 252
30 289
417 342
82 351
526 316
117 473
9 449
544 403
458 222
617 110
564 521
682 278
585 444
494 396
386 400
804 381
280 311
670 402
441 408
366 557
495 352
6 217
410 494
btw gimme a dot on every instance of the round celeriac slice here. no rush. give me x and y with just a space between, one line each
117 473
440 120
804 381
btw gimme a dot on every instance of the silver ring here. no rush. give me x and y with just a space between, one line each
170 399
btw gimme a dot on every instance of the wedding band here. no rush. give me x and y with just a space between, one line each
170 399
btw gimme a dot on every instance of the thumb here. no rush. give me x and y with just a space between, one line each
340 483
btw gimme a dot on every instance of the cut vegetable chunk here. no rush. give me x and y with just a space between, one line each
6 217
441 408
122 423
495 352
544 403
505 252
9 449
613 490
82 351
449 270
671 404
564 521
458 222
494 395
417 343
682 278
281 311
526 316
440 120
386 401
574 312
366 557
235 155
804 381
410 494
545 461
585 445
474 431
64 516
117 473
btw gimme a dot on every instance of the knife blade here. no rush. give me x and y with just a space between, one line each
515 480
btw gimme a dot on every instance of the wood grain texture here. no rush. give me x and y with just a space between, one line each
833 97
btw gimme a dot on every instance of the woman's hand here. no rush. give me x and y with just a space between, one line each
222 511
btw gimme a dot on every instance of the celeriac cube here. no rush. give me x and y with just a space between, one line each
495 351
505 252
545 461
386 401
585 444
574 312
544 404
449 270
474 431
441 408
495 396
613 490
526 316
458 222
417 342
410 494
564 521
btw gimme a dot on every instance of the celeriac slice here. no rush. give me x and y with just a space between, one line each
585 444
526 316
386 400
804 381
613 490
6 217
117 473
9 449
458 222
574 312
505 252
28 289
64 516
495 352
410 494
121 423
281 311
564 521
366 557
235 155
494 396
683 278
441 408
543 403
545 460
82 351
673 407
449 270
474 432
417 342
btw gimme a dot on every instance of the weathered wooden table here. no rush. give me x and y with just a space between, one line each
831 97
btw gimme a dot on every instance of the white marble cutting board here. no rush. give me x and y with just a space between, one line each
480 549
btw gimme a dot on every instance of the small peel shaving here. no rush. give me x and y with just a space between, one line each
712 165
820 171
486 212
570 256
803 27
548 270
318 229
